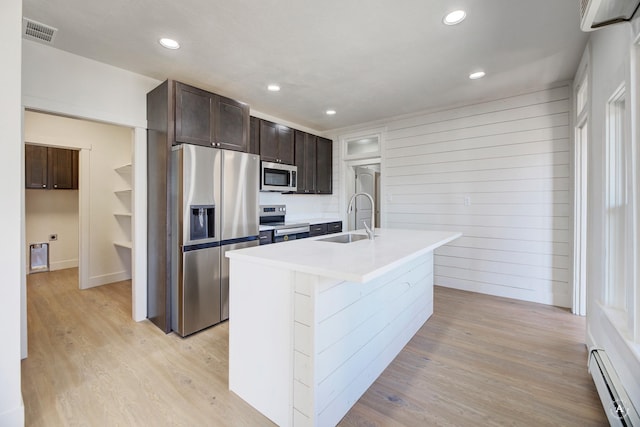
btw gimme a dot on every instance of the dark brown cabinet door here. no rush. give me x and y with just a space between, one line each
36 175
299 139
285 145
305 160
194 115
317 230
268 141
63 169
254 135
324 166
51 168
334 227
276 143
231 124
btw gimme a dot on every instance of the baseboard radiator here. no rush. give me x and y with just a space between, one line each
615 401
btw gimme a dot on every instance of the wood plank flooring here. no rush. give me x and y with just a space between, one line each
480 360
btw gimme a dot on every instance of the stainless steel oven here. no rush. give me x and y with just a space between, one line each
273 217
288 232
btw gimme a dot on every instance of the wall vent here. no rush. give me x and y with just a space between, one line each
596 14
615 401
33 30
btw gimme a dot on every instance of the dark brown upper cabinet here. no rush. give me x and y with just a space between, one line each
204 118
312 154
231 124
63 168
36 174
254 135
276 143
305 145
324 166
314 162
194 115
51 168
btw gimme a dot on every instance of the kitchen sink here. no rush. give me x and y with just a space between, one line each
344 238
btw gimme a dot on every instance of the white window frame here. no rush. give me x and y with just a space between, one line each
619 228
356 137
580 191
633 107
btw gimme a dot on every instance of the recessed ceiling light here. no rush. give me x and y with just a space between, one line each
169 43
477 75
273 88
330 112
455 17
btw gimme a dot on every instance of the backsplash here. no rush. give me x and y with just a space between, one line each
304 206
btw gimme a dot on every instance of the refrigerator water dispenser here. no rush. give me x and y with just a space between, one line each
202 222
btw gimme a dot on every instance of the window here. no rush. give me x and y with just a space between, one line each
619 288
358 148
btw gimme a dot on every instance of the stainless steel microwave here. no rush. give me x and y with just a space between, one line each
278 177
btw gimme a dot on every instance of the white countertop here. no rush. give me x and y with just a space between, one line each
358 261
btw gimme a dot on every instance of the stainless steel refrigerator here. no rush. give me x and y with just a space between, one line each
214 197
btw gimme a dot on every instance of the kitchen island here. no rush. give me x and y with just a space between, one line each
314 322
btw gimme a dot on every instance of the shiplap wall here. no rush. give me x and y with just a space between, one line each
499 173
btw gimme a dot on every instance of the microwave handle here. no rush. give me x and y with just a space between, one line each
294 179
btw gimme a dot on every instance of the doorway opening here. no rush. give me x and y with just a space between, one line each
51 208
88 227
362 174
367 180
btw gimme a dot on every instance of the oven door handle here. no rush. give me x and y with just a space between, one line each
287 231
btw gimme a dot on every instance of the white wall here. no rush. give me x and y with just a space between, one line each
79 87
611 49
11 227
61 82
53 212
509 159
108 147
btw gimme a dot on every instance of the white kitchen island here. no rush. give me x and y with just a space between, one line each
314 323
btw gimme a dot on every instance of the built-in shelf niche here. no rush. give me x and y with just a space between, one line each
124 193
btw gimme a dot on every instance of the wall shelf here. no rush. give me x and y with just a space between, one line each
124 193
124 169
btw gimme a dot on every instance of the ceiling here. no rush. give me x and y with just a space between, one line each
367 60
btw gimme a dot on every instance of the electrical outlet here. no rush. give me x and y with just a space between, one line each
53 237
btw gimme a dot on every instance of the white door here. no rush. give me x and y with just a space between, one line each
365 183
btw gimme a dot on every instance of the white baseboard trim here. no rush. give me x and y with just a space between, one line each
61 265
541 297
13 417
109 278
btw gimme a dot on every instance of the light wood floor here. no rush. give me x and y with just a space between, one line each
479 360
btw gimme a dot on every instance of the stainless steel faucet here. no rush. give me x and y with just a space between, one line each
370 231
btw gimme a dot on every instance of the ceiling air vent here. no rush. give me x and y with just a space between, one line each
37 31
